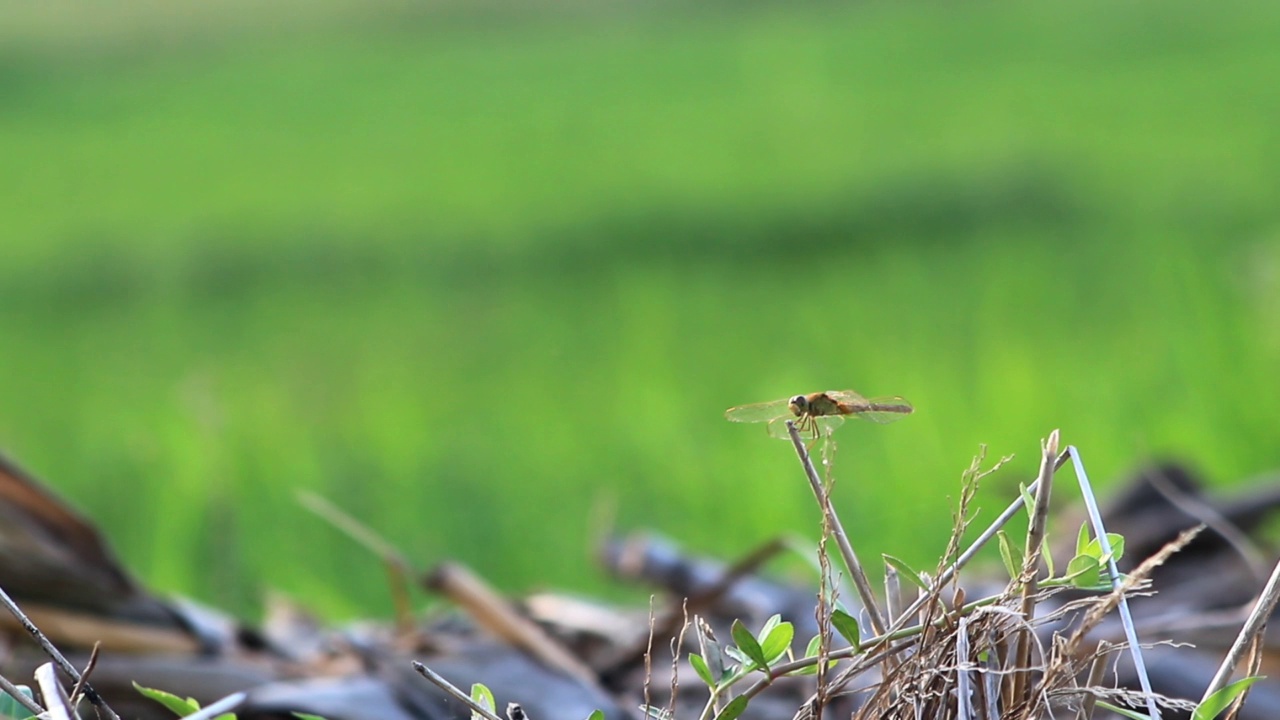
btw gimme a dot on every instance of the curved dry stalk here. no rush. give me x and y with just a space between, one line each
1252 627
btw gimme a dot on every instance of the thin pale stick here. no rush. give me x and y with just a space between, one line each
449 687
1126 618
20 697
856 572
648 661
221 707
57 656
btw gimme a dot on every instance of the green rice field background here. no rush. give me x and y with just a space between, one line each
488 278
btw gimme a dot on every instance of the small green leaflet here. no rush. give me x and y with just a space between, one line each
1028 500
748 644
482 696
847 626
179 706
1217 702
1010 556
905 571
778 642
733 709
700 667
1115 540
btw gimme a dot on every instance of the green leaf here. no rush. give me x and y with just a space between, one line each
847 626
1082 538
596 715
733 709
1084 571
174 703
700 667
11 708
773 622
748 644
905 570
813 647
1218 701
1116 541
1048 556
1010 556
1134 714
811 651
1028 500
482 696
778 642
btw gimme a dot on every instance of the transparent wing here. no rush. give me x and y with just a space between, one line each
881 409
759 412
826 425
848 397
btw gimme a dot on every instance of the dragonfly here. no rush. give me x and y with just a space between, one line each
820 413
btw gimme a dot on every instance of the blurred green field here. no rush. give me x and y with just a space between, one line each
488 282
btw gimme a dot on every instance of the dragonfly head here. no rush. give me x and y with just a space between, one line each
799 405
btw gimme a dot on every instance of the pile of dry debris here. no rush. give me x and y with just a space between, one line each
562 657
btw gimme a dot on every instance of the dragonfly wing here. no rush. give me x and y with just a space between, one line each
846 397
884 409
759 412
778 428
826 425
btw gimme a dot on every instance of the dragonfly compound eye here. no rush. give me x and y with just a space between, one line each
799 405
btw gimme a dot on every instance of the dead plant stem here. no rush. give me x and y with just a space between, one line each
1253 626
860 582
1031 564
